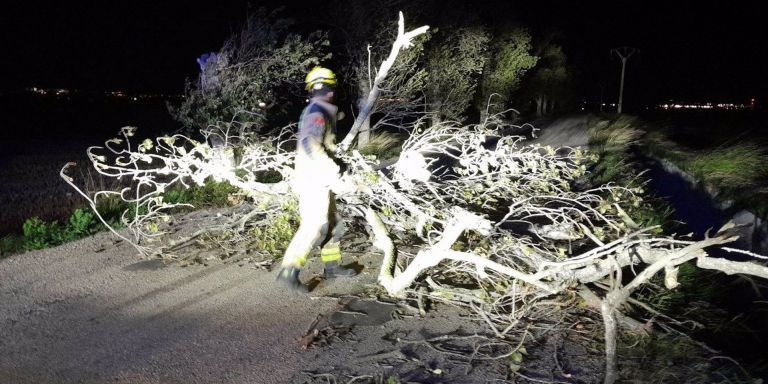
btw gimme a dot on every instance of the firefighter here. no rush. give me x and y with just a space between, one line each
317 173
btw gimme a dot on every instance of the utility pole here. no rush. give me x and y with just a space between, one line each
624 53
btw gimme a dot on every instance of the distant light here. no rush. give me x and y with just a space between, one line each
708 105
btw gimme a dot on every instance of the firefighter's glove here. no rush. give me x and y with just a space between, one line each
344 168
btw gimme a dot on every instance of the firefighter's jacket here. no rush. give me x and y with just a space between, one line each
316 142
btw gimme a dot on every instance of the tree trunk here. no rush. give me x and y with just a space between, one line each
435 119
364 136
609 321
539 105
547 106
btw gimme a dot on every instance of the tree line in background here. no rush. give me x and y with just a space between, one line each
463 70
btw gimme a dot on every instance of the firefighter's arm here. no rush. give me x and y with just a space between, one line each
329 141
312 142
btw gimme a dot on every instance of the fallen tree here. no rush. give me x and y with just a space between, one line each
482 210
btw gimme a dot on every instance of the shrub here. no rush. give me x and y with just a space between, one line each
274 238
253 76
81 223
211 194
38 234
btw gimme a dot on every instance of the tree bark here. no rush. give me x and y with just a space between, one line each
539 104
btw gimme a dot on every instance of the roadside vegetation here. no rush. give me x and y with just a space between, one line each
613 141
723 311
734 172
39 234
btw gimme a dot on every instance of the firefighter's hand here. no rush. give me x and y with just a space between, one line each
343 168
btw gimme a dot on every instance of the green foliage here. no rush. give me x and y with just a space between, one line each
211 194
454 64
695 285
549 83
273 239
727 167
254 77
39 234
738 172
611 140
509 61
111 209
616 134
81 223
269 177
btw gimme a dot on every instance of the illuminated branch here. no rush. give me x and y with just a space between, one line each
403 41
150 169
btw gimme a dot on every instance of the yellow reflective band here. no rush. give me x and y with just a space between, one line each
330 254
329 258
330 250
294 261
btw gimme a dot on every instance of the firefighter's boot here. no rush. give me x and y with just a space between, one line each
289 278
333 269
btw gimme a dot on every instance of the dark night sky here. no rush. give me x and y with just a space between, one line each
689 50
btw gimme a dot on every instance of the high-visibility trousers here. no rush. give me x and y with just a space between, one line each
317 211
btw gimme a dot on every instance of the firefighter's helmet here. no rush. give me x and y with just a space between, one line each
319 76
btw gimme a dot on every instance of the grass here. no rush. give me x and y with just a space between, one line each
614 139
615 135
383 145
736 171
733 167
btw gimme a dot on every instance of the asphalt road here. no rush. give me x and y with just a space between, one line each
93 312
